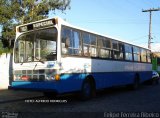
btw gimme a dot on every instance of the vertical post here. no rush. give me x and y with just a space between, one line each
150 29
150 24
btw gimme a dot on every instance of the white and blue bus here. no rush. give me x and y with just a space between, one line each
53 56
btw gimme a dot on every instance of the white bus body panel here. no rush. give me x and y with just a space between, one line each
77 65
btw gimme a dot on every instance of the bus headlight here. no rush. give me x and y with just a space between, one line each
16 78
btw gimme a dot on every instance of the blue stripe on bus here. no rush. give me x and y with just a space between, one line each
73 82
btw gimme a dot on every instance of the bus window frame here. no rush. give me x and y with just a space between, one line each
35 31
98 47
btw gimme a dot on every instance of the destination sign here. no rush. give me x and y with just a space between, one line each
43 24
37 25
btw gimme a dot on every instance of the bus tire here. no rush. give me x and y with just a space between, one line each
88 89
136 83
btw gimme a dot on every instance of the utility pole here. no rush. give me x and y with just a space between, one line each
150 24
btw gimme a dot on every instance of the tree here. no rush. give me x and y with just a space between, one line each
14 12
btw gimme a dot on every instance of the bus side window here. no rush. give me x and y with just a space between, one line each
75 43
143 55
115 48
148 56
136 54
89 45
65 39
70 42
128 52
93 46
104 47
86 44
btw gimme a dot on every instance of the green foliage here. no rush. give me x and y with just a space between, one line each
4 50
15 12
32 10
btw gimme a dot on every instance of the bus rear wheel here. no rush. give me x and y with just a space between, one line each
88 90
136 84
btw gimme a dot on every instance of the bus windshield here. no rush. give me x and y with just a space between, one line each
36 46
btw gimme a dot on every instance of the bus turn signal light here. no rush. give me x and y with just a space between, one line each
57 77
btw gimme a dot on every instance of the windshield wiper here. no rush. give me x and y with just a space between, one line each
34 58
38 59
25 60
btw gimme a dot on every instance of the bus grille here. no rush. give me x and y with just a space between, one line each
29 75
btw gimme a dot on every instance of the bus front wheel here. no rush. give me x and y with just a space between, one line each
88 89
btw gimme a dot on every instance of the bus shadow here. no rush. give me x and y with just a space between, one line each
19 99
112 91
72 98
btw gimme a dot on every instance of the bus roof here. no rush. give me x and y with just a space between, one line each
63 22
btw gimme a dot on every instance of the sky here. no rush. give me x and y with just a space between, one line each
122 19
